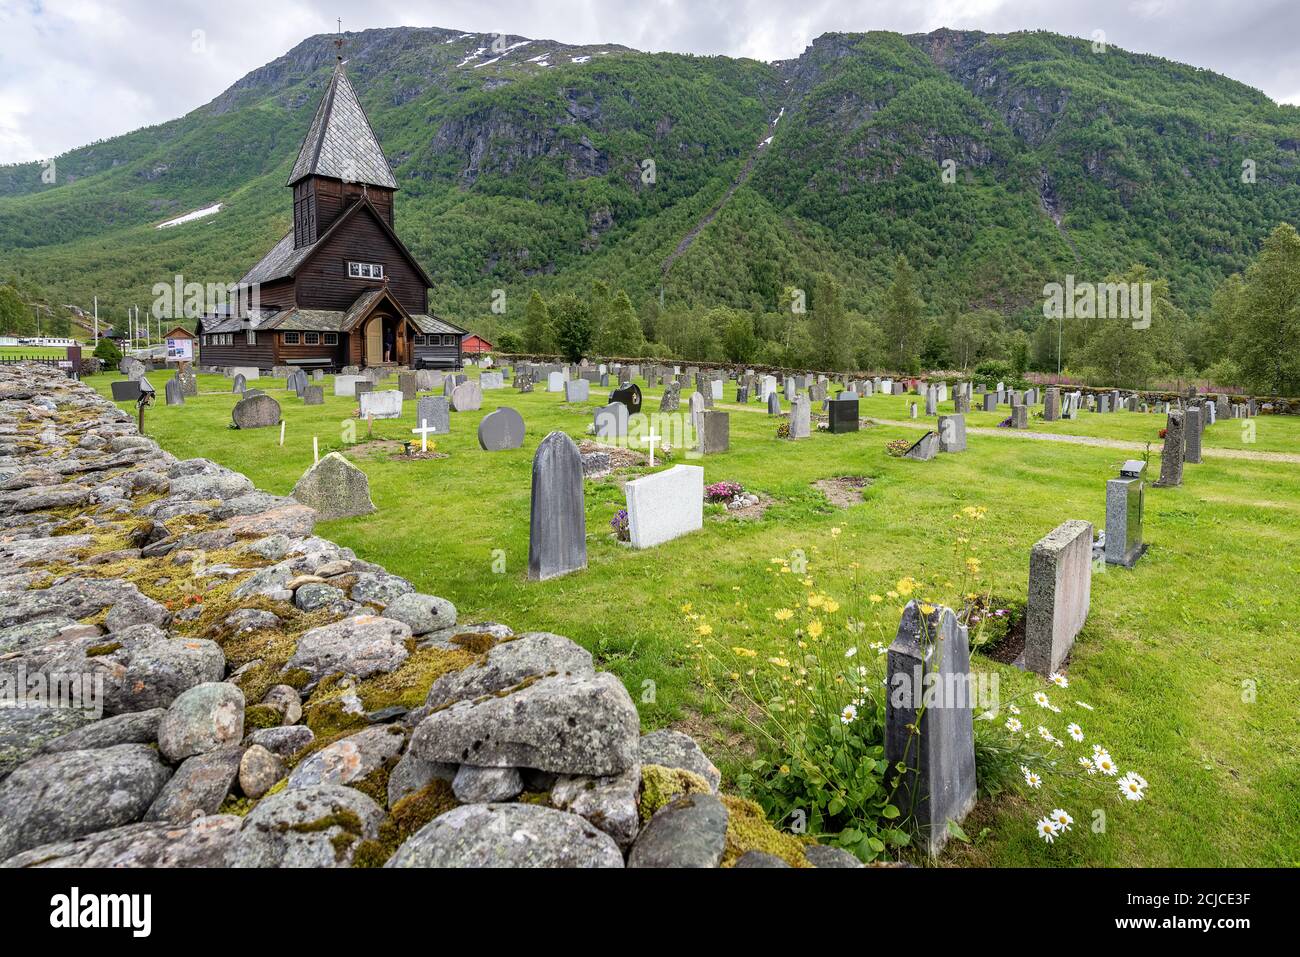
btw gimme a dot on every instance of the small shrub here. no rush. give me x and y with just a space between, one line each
898 448
723 491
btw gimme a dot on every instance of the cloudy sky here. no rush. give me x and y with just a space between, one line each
74 71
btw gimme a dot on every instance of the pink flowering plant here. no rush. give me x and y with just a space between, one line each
723 491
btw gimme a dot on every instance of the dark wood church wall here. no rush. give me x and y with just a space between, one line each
324 283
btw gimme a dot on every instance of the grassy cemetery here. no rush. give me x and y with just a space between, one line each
1163 737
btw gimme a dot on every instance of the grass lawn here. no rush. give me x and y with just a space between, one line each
37 352
1166 659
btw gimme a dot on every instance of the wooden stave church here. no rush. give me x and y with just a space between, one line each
315 306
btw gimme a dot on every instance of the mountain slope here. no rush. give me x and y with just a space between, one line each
524 163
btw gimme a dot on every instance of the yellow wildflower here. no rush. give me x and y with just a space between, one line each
815 629
783 614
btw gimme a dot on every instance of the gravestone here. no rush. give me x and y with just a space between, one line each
1060 589
317 375
434 412
1052 405
773 403
335 488
844 414
742 394
381 405
961 401
611 422
296 381
248 372
800 417
665 505
239 384
931 402
1193 426
126 391
172 388
768 387
911 409
928 726
361 387
714 432
467 397
313 395
671 397
408 385
1020 416
925 448
491 380
1171 454
952 433
555 382
990 402
256 412
1125 505
500 430
189 383
715 390
630 396
557 533
131 367
577 390
524 381
347 384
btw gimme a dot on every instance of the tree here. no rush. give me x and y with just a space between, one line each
108 351
829 327
539 335
739 344
508 342
620 333
971 335
14 315
571 318
1122 352
1266 346
902 318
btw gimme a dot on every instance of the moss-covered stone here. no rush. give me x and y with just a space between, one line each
749 830
659 785
261 716
407 816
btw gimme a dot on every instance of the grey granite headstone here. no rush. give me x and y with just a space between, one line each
961 401
611 422
335 488
990 402
175 396
361 387
1020 416
313 395
1193 426
500 430
433 411
408 385
131 367
925 448
239 384
467 397
1125 504
577 390
928 726
800 417
773 403
189 383
256 412
671 398
1060 590
1051 405
381 405
1171 453
714 430
557 541
952 433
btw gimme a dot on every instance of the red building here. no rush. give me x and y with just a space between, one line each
340 289
474 344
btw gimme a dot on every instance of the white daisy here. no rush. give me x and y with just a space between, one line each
1105 765
1059 679
1132 786
849 714
1033 780
851 652
1047 829
1075 731
1088 766
1062 819
1040 699
1013 725
1013 709
1084 705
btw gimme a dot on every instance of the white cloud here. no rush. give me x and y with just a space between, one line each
74 71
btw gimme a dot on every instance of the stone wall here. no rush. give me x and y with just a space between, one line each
249 694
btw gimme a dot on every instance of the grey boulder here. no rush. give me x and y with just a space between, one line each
688 832
198 787
350 759
672 749
507 835
422 613
360 647
510 662
24 731
474 785
202 843
202 719
318 826
137 727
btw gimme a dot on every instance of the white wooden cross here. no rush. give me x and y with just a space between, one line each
315 448
650 440
282 433
423 432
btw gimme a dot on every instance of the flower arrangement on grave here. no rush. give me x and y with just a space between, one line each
1005 423
898 447
1164 433
622 528
723 491
783 430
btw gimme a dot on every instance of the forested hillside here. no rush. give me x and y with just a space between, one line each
977 167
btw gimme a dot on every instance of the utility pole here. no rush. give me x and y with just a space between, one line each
96 320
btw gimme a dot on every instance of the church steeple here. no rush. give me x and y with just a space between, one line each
340 162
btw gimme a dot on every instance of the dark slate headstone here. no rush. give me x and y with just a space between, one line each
126 391
313 395
671 399
630 396
408 385
362 386
843 415
1193 426
1020 416
189 383
774 404
714 431
990 402
557 540
435 412
501 430
928 724
175 396
742 394
257 412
